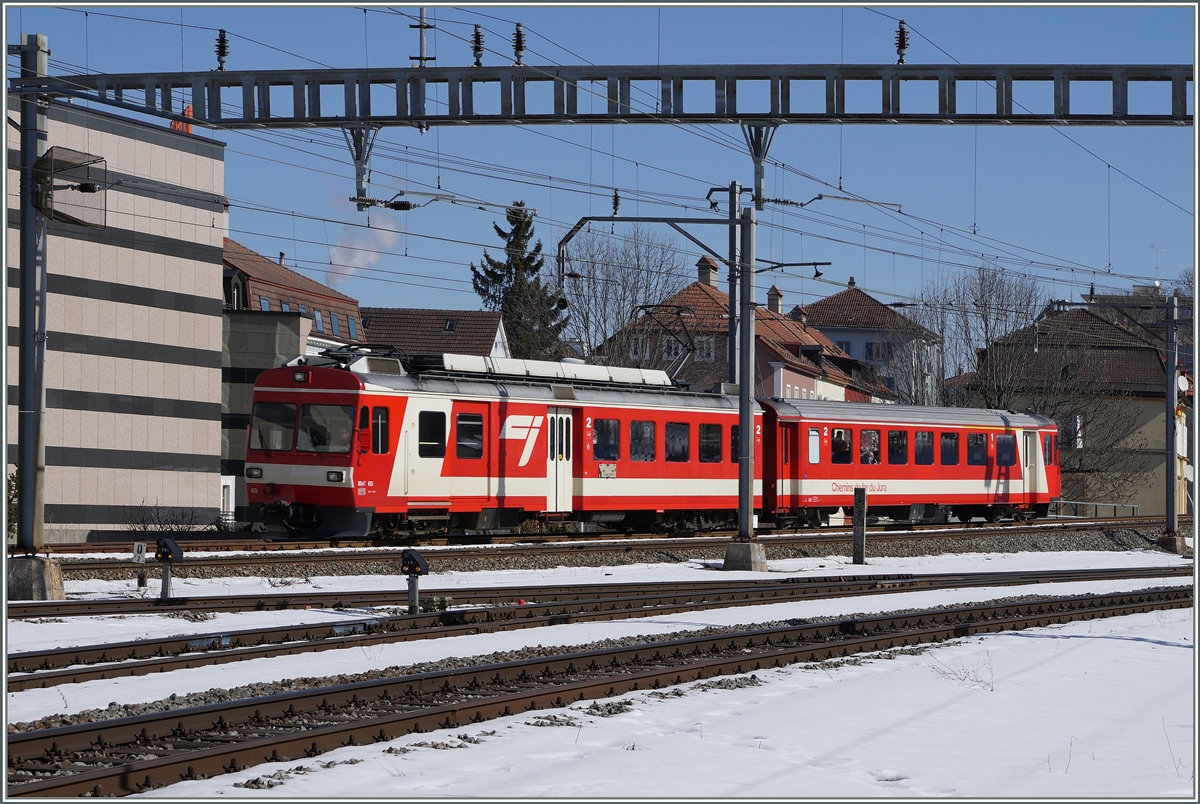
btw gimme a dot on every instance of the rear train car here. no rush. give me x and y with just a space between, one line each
916 463
359 442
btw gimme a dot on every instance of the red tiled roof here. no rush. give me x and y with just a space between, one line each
256 266
782 335
418 331
854 309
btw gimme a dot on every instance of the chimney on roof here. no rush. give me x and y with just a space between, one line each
281 258
799 314
850 284
775 300
707 270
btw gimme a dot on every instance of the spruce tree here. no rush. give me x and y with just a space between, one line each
529 309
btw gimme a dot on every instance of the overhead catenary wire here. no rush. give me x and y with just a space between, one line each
637 192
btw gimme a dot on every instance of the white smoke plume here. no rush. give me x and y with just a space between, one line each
360 248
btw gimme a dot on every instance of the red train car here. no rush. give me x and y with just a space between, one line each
916 463
360 442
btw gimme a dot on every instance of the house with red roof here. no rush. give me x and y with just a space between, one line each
687 336
906 355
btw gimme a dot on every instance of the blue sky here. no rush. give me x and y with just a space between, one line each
1033 194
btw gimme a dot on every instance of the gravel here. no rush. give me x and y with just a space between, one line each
878 545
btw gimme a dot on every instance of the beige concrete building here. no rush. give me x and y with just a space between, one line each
133 350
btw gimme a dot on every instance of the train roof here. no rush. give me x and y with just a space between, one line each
869 413
473 375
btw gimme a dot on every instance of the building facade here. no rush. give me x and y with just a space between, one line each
132 421
906 356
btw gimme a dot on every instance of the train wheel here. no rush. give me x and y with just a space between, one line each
991 513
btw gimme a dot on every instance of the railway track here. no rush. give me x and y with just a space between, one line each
135 754
487 610
192 543
256 562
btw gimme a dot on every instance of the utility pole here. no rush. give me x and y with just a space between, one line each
1172 463
746 386
735 191
32 315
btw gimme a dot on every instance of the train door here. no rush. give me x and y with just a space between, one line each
559 449
787 468
1033 467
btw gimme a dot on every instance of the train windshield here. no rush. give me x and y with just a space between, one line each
325 428
273 427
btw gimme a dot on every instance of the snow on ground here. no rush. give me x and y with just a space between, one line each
1098 708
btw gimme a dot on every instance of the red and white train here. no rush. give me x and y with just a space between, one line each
363 441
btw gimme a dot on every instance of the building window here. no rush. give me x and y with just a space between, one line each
287 308
879 351
788 395
317 318
637 347
451 323
264 303
352 328
333 323
302 310
844 346
671 348
706 349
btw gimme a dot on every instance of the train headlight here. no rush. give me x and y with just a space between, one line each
335 476
253 471
300 376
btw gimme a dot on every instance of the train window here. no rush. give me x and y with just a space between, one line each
949 449
710 443
431 434
550 440
641 442
565 441
898 447
325 428
1006 450
606 440
1048 450
868 446
679 446
469 441
841 450
923 447
379 431
735 443
976 449
274 426
814 445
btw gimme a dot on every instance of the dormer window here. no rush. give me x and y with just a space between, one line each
451 323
